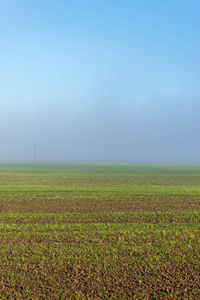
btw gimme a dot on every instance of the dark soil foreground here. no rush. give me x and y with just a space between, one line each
99 261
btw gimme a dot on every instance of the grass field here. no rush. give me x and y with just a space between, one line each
99 231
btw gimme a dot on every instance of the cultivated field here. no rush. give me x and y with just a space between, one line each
99 231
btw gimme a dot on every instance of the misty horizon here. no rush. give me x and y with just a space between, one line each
141 152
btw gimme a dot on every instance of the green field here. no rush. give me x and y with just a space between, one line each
99 231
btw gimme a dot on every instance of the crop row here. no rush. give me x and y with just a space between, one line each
99 260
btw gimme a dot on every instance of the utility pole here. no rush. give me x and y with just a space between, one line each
34 151
166 153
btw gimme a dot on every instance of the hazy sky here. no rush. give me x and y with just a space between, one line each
109 78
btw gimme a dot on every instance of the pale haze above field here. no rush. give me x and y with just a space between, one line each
100 80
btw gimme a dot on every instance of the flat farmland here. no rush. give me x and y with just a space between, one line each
99 231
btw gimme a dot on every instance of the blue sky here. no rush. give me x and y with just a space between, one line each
100 72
